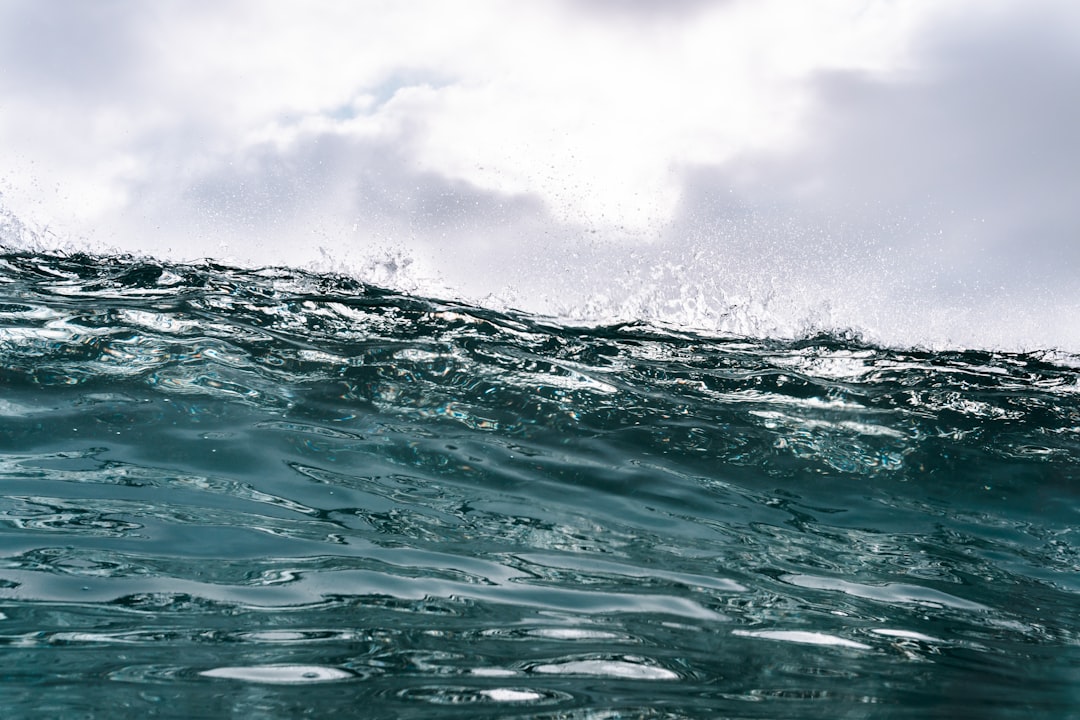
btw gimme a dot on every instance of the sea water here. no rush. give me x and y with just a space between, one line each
268 493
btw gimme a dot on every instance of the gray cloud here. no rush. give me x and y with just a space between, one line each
965 170
352 196
63 50
375 180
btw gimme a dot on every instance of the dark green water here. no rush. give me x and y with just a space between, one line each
271 494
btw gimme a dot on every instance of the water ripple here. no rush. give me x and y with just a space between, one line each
220 486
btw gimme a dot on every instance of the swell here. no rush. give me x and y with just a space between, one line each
284 339
262 469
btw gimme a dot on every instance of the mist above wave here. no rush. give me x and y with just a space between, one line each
726 281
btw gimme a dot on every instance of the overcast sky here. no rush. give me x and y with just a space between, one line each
909 169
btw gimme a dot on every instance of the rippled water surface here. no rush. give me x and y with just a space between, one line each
270 494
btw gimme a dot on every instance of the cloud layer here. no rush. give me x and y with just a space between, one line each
906 170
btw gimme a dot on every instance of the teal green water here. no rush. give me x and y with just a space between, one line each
273 494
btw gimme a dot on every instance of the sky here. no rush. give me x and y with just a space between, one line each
906 170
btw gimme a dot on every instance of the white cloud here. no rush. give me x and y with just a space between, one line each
593 116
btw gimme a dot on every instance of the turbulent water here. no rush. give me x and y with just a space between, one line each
271 494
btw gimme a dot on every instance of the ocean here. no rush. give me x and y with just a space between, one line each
275 493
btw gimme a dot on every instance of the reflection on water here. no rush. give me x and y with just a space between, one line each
269 493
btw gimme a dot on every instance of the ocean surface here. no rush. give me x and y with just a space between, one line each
270 493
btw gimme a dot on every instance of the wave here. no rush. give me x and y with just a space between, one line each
280 340
217 477
723 286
